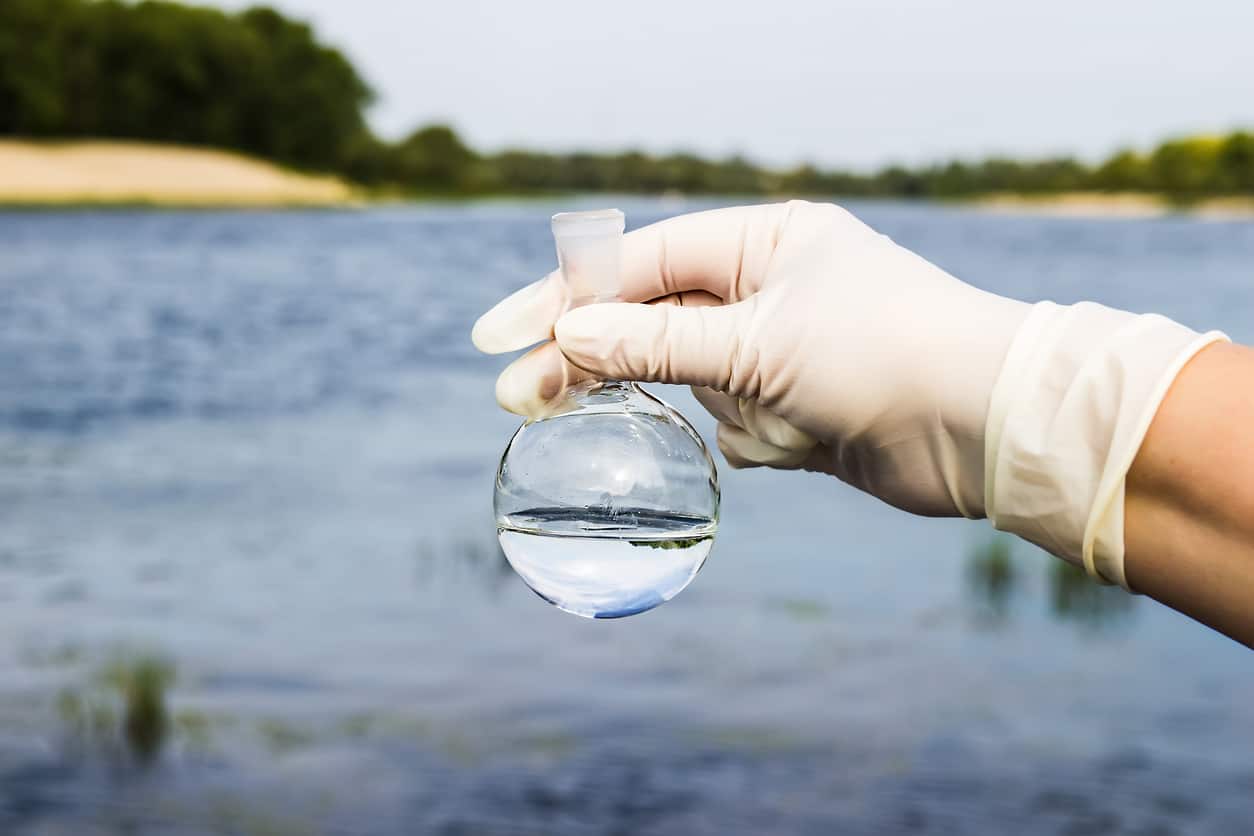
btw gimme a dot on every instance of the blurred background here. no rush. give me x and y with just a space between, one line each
249 580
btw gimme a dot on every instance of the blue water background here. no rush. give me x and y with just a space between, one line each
256 450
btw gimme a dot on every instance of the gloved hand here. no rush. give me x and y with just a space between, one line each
815 341
818 343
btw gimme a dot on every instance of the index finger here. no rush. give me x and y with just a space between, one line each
723 252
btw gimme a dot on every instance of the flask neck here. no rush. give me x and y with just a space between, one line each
589 248
603 391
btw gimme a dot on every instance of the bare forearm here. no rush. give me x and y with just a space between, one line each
1189 512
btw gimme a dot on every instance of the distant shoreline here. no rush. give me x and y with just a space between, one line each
99 173
1111 205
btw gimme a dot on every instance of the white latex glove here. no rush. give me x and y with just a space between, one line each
818 343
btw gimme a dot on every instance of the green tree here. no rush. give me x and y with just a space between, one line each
31 51
736 175
253 81
1185 169
434 158
1235 163
1126 170
309 101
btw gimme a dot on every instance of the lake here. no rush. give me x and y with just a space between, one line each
249 580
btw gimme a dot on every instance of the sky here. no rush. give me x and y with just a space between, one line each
854 83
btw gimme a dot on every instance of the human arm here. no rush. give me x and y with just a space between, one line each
1189 526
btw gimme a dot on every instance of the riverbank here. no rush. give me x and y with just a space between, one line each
1113 205
108 173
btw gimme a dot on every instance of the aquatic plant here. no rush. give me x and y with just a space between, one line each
992 579
123 710
1076 598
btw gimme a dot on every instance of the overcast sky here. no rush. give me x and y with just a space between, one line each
848 82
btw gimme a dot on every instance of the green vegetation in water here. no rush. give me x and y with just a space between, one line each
995 580
685 543
1075 597
801 609
388 725
124 708
282 737
258 82
992 579
194 727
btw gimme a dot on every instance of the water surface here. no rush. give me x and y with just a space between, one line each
249 579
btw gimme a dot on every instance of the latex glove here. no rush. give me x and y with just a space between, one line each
814 340
819 343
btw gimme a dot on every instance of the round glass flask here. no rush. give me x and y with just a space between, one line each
608 506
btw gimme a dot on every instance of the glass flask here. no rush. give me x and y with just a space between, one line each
608 506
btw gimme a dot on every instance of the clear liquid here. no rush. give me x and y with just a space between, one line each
601 563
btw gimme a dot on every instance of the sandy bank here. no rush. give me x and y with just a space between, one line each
1113 205
91 172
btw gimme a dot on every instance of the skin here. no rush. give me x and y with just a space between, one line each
1189 503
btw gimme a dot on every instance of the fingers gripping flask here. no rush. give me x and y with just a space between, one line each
608 507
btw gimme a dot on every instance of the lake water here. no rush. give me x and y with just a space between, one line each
249 579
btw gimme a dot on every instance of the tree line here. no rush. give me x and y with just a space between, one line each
258 82
1182 169
254 81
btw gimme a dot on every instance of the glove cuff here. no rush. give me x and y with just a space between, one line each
1071 405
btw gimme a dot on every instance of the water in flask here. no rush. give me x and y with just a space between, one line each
601 564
